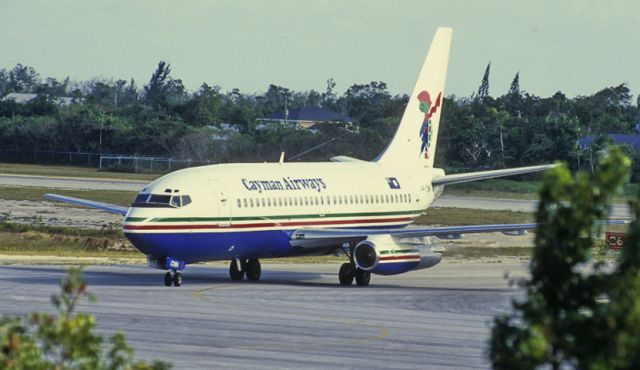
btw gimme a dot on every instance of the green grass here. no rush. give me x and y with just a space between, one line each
123 198
460 216
487 252
510 189
70 171
64 241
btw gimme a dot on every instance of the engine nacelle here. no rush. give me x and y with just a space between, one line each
385 255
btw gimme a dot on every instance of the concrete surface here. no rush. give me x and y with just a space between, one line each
297 316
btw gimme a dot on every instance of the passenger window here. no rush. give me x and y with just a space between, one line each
257 202
239 203
245 202
251 201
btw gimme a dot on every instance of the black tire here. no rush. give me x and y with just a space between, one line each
168 279
363 277
346 274
254 269
234 272
177 279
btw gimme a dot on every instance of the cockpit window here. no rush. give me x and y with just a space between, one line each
186 200
161 201
141 198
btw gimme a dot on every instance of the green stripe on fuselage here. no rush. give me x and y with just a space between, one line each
278 217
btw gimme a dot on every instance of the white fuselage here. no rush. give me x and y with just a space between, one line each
237 209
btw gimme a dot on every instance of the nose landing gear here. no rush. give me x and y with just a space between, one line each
173 277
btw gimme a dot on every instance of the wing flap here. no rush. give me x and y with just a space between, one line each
112 208
307 237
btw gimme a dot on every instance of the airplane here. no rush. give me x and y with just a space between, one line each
245 212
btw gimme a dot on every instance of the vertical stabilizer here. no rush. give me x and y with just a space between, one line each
415 139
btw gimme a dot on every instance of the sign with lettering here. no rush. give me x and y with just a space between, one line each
285 183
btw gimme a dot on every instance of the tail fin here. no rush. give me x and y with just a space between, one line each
417 133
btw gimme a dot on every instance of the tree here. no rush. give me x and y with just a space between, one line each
483 90
576 313
66 340
162 91
23 79
515 85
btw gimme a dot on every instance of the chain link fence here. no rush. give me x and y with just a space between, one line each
145 164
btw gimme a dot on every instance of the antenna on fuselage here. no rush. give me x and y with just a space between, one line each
281 158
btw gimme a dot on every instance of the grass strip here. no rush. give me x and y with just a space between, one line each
119 197
70 171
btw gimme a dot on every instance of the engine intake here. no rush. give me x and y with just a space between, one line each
384 255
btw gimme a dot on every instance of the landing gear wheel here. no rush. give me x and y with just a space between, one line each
363 277
234 272
168 279
177 279
346 274
254 269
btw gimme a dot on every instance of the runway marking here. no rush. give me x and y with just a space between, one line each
383 330
199 293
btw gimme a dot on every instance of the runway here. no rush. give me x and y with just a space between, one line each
297 316
71 183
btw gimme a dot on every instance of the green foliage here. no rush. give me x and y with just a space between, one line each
65 340
577 313
162 118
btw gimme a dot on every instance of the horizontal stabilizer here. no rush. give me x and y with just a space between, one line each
484 175
344 158
89 203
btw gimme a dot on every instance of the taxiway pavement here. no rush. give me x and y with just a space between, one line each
297 316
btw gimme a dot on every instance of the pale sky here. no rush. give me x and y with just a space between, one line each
577 47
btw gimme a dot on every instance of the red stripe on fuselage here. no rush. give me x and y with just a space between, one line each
258 225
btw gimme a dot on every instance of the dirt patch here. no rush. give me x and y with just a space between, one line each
28 212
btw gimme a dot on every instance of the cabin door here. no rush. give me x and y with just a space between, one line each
221 203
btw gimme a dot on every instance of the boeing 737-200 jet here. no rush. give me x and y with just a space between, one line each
245 212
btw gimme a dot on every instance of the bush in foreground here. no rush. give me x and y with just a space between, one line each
65 340
577 313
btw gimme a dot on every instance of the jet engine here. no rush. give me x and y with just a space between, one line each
386 255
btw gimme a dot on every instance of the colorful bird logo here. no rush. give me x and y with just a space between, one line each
426 130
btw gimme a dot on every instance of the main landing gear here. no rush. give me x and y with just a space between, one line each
239 268
173 277
349 270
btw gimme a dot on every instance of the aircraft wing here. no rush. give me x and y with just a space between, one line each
483 175
312 237
89 203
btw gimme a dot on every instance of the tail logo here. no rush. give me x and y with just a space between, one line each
426 130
